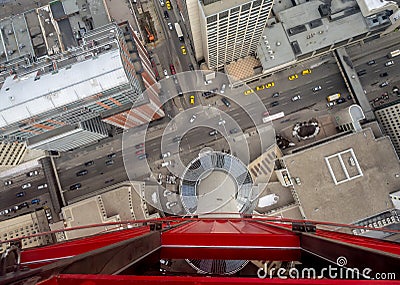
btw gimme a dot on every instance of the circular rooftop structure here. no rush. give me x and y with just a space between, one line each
216 182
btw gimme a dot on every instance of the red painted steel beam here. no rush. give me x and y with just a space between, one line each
191 280
231 253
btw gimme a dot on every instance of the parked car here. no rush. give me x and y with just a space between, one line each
20 194
316 88
221 122
233 131
275 103
35 201
176 139
383 84
143 156
275 95
8 183
226 102
109 162
213 133
295 98
89 163
112 155
222 90
140 151
26 186
362 72
109 181
24 205
371 62
82 172
193 118
165 155
340 101
32 173
140 145
389 63
42 186
383 74
75 186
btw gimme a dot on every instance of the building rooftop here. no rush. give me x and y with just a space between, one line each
34 94
220 6
313 32
335 188
370 7
274 49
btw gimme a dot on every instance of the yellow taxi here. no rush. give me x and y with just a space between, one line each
192 99
168 4
247 92
269 85
293 77
306 71
183 48
261 87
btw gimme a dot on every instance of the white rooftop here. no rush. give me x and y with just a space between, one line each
25 97
370 7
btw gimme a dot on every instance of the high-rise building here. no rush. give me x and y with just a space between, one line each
388 117
69 102
225 31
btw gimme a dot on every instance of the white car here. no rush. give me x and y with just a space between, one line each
389 63
42 186
167 193
316 88
26 186
221 122
165 155
331 104
7 183
222 90
170 26
165 72
295 98
192 118
170 204
206 82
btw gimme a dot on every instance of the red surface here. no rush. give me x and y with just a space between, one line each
188 280
231 239
41 255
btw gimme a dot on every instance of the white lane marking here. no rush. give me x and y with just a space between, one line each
329 81
330 87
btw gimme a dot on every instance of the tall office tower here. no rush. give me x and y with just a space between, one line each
225 31
68 102
388 117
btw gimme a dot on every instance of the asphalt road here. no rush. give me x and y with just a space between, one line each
8 197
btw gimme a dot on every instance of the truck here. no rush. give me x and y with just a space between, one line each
179 32
394 53
333 97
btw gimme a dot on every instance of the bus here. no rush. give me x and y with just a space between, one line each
333 97
179 32
269 118
394 53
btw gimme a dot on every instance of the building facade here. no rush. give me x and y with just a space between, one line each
389 117
68 103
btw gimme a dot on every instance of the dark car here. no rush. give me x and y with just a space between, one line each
276 94
341 100
361 72
143 156
226 102
191 67
23 205
112 155
75 186
82 172
172 68
166 16
109 181
384 74
20 194
275 103
233 131
371 62
109 162
89 163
